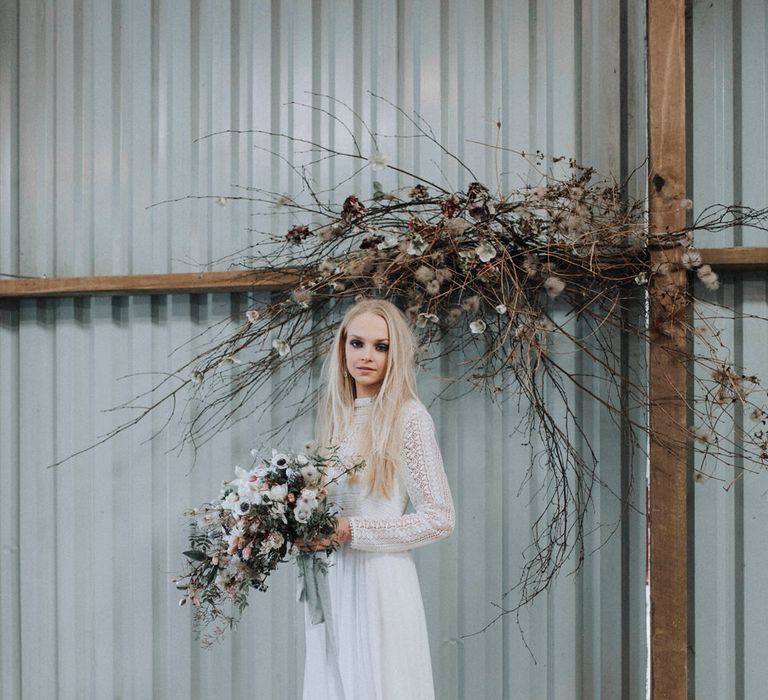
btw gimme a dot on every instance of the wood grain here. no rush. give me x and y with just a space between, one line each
667 375
179 283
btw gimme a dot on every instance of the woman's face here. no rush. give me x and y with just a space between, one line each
366 350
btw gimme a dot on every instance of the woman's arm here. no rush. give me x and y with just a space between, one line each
427 488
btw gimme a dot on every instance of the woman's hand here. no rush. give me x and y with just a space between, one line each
343 534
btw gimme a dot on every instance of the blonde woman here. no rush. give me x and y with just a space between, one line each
373 643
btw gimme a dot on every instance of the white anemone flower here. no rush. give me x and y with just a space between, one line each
378 161
310 474
279 459
485 251
478 326
308 497
281 346
230 502
301 513
302 459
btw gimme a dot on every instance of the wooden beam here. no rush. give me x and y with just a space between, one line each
667 372
179 283
249 280
736 258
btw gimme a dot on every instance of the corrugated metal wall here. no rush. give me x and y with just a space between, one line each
104 101
728 147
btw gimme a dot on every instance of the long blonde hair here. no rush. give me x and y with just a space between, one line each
380 447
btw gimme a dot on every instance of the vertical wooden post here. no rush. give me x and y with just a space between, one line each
668 299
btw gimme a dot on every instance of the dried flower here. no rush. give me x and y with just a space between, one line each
302 296
424 318
478 326
708 277
281 346
282 201
371 242
757 414
703 435
531 265
297 234
330 231
418 192
477 190
554 286
352 209
326 267
221 201
471 304
455 226
378 161
641 279
501 309
686 204
252 315
229 360
454 313
424 274
449 206
197 377
691 259
485 251
433 287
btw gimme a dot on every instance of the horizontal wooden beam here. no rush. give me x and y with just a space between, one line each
253 280
736 258
121 285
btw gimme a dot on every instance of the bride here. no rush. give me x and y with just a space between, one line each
373 644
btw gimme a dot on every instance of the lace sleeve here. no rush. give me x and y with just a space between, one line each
427 488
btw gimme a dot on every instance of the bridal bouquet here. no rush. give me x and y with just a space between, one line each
238 540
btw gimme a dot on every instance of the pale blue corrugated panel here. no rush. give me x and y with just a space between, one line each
728 152
108 531
111 98
730 514
729 133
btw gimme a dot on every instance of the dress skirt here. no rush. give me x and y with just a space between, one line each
380 630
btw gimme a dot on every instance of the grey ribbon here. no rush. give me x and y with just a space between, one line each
313 589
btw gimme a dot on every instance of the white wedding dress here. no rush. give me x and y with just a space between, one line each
377 615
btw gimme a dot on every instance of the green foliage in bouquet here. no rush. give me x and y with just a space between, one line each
239 539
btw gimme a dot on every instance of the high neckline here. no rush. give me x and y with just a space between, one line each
363 400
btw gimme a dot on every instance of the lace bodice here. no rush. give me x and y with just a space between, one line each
381 524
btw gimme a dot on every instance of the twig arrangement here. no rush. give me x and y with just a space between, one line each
514 281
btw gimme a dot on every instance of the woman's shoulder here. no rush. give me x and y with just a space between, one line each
414 409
